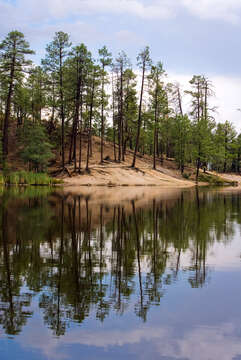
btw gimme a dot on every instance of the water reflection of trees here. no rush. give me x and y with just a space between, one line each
81 259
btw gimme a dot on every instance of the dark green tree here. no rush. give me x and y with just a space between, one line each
13 63
105 60
144 62
34 147
57 51
157 98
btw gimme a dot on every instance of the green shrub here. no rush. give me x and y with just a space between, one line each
186 175
214 180
27 178
34 146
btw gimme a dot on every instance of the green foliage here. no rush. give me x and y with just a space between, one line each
186 175
69 93
34 146
14 46
214 180
26 178
13 65
225 147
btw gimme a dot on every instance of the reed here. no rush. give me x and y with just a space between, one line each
27 178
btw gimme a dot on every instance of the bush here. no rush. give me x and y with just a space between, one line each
215 180
34 146
186 175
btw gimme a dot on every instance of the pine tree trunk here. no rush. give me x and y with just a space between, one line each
139 118
80 129
102 118
7 111
122 120
90 125
155 132
62 107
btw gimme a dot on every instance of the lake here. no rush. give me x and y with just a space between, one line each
120 274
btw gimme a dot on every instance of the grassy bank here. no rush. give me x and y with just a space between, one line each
27 178
215 180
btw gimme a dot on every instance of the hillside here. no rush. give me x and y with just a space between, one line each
112 173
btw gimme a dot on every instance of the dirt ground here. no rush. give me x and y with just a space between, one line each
112 173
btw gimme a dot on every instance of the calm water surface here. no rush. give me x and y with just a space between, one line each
88 277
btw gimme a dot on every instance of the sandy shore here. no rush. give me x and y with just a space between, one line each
232 177
122 175
114 174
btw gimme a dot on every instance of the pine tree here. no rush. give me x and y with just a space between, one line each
13 64
57 51
105 60
77 69
203 123
156 93
121 64
94 80
225 146
130 108
34 146
143 61
182 140
37 83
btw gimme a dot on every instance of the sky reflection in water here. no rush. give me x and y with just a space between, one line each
85 279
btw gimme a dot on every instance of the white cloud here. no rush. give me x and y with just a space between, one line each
128 37
155 9
227 96
228 10
196 343
36 11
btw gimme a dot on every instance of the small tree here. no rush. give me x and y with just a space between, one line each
34 147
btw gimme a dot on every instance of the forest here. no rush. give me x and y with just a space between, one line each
48 109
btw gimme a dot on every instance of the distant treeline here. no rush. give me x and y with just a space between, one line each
72 94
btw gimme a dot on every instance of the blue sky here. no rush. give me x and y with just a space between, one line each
189 36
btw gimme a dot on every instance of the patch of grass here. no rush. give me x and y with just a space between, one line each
27 178
1 179
57 181
215 180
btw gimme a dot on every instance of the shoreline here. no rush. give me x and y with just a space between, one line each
125 176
